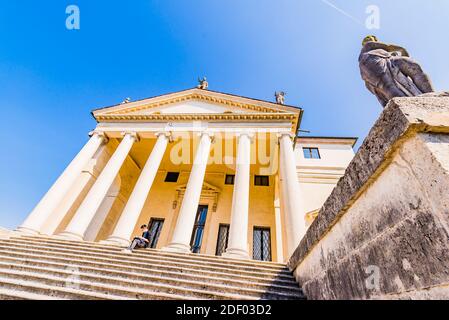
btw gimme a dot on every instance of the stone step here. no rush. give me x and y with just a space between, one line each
48 268
193 257
167 277
47 292
195 289
146 268
122 257
139 290
7 294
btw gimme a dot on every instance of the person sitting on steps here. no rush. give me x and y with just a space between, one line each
140 242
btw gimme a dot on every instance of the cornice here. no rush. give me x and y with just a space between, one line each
197 116
202 117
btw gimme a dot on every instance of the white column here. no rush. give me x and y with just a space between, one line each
111 198
134 206
86 212
278 221
35 221
292 197
187 213
238 231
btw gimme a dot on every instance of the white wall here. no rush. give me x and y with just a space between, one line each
332 155
318 177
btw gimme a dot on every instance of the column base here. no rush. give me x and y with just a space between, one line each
27 231
69 236
236 254
116 241
177 247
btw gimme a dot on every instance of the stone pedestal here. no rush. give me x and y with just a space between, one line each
384 231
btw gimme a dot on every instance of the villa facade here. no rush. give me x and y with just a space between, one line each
208 172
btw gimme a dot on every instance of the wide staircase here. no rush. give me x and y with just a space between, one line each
43 268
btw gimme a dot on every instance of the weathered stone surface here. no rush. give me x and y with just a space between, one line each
389 211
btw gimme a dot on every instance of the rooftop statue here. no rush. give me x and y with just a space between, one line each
127 100
280 97
203 84
389 72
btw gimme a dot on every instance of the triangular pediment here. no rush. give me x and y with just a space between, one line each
207 188
208 192
189 107
195 101
199 105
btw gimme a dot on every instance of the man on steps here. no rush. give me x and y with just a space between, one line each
140 242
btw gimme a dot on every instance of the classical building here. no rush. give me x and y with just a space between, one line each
209 172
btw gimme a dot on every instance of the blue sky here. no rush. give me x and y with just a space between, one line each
50 77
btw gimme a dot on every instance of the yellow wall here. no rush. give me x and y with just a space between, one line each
160 200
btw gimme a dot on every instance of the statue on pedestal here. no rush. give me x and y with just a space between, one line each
280 97
389 72
203 84
127 100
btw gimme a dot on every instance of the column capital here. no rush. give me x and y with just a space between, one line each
100 134
168 135
208 133
280 135
211 135
250 134
132 134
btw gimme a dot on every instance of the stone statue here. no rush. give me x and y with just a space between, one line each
280 97
203 83
389 72
127 100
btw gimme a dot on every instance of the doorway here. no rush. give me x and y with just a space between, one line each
155 227
198 229
262 244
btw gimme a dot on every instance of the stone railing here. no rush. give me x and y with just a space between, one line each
384 231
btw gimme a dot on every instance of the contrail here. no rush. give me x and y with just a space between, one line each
330 4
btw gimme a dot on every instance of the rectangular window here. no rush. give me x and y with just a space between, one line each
155 227
261 181
172 177
262 244
222 239
230 179
311 153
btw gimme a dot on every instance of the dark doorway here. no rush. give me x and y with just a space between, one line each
262 244
198 229
222 239
155 227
